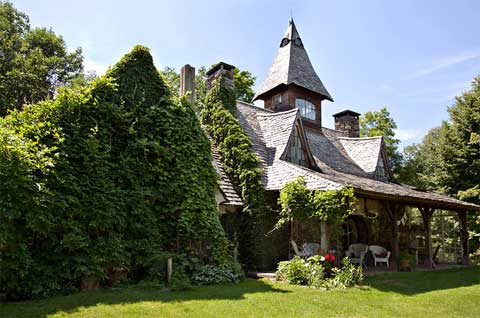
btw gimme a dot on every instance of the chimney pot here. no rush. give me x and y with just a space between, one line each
187 82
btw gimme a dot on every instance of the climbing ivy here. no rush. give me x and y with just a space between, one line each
299 203
234 145
115 175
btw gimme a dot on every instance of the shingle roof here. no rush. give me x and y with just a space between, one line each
225 184
365 152
269 134
292 66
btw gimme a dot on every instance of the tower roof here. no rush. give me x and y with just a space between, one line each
292 66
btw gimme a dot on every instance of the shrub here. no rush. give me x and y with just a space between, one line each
312 273
209 275
347 276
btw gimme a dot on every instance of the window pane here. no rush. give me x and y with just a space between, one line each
307 109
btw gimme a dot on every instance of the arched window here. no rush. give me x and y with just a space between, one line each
307 109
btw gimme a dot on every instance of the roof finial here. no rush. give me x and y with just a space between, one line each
291 15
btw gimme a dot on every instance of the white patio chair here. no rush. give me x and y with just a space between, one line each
296 250
380 254
356 253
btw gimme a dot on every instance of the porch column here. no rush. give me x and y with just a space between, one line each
427 227
462 216
392 210
324 237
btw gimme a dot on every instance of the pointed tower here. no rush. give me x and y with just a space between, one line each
292 82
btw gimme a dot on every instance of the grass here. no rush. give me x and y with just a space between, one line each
448 293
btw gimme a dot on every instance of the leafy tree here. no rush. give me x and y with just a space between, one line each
243 82
172 79
380 123
33 62
448 158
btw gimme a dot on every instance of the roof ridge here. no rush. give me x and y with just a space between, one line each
285 112
360 138
254 106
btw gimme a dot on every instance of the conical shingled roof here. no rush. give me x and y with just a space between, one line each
292 66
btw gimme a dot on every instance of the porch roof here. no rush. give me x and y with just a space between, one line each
337 168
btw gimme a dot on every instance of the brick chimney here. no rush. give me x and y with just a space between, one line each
220 70
348 123
187 82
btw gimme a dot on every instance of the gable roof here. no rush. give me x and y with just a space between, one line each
270 132
365 152
292 66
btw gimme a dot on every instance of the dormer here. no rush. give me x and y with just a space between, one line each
293 83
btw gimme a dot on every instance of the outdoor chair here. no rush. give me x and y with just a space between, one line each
380 254
296 250
356 253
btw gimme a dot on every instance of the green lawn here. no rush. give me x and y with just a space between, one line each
449 293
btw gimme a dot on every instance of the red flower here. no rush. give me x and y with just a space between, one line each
330 257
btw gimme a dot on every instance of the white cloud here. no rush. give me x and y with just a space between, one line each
446 62
407 134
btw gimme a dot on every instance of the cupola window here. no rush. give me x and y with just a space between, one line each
307 109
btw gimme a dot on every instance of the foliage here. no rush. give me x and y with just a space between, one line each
315 273
243 82
209 275
116 174
448 158
299 203
239 162
33 62
347 276
380 123
172 80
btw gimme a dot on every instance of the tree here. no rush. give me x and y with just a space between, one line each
33 62
448 158
243 82
380 123
172 79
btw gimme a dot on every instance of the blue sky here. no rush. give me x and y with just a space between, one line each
411 56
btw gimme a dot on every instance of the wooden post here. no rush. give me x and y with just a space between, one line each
169 269
392 210
324 239
462 216
427 227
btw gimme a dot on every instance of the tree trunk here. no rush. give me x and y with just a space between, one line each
462 216
427 226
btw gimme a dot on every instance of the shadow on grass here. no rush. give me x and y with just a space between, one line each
130 295
424 282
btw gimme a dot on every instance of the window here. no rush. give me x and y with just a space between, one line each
380 172
295 152
276 99
307 109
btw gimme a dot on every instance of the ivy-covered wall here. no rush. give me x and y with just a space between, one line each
115 176
259 247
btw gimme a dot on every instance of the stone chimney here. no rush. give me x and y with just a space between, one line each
348 123
220 70
187 82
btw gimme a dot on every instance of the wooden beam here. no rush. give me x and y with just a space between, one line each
427 227
392 210
462 216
